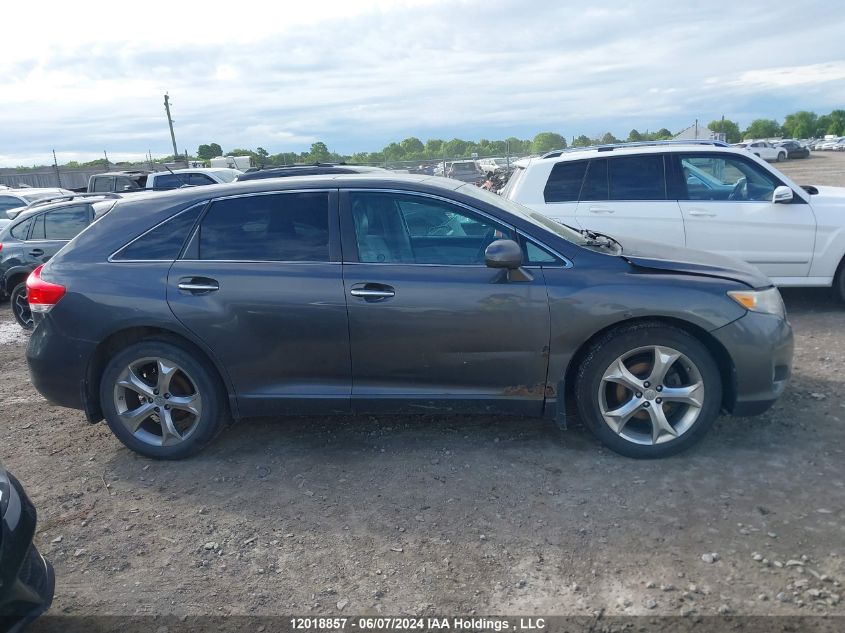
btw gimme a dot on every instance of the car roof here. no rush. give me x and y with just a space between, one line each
28 190
627 149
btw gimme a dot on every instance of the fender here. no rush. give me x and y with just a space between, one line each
12 273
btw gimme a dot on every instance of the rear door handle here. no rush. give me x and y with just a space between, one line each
36 252
701 213
600 210
198 285
372 291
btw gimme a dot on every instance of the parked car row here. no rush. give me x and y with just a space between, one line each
700 195
836 144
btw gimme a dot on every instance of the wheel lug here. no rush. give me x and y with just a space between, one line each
167 395
167 407
659 401
155 391
646 404
646 384
158 409
639 394
659 387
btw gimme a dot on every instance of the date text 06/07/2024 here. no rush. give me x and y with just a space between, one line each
384 623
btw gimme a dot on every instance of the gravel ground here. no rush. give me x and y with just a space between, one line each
448 515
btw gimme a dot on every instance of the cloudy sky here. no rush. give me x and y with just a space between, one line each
83 77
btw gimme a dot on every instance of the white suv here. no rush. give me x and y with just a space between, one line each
702 195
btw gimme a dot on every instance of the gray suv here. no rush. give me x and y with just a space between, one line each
177 313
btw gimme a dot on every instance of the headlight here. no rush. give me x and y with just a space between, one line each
766 301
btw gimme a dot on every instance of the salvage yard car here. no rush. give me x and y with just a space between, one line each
178 312
38 233
701 195
27 581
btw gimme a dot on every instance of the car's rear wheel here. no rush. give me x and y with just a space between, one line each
648 391
839 282
20 306
781 156
161 401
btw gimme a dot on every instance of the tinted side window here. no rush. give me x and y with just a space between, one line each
595 182
200 179
102 183
122 183
164 241
19 231
564 182
277 227
7 202
170 181
404 229
637 178
65 224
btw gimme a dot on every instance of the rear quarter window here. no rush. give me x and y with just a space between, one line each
564 184
165 241
20 231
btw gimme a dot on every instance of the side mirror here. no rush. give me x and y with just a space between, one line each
503 254
782 194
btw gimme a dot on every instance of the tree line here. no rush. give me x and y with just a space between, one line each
801 124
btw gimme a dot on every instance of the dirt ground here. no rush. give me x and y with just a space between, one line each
449 515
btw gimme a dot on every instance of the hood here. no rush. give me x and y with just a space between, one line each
828 192
661 257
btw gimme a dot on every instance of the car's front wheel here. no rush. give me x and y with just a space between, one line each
161 401
781 156
20 306
648 390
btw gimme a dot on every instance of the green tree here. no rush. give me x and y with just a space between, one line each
319 153
663 135
837 123
801 124
582 141
608 139
456 148
634 136
546 142
728 127
412 145
209 151
763 128
434 147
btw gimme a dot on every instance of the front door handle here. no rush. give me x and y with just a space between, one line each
198 285
372 292
36 252
701 213
600 210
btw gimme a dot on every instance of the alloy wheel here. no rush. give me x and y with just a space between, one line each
22 311
651 395
157 401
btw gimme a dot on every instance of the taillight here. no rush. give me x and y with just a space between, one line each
42 295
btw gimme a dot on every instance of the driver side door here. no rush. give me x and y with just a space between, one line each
726 202
431 327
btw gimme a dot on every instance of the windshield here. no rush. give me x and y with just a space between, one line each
535 218
228 176
32 197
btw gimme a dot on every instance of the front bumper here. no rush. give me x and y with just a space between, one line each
760 347
28 581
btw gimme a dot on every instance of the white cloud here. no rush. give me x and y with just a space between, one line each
359 74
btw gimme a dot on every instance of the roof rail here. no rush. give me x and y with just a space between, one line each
102 194
609 147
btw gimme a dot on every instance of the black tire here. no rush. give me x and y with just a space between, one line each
203 378
20 308
839 282
781 156
621 341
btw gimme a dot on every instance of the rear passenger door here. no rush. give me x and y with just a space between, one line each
260 282
53 229
627 196
562 190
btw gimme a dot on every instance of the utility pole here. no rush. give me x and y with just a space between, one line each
56 167
170 123
107 159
